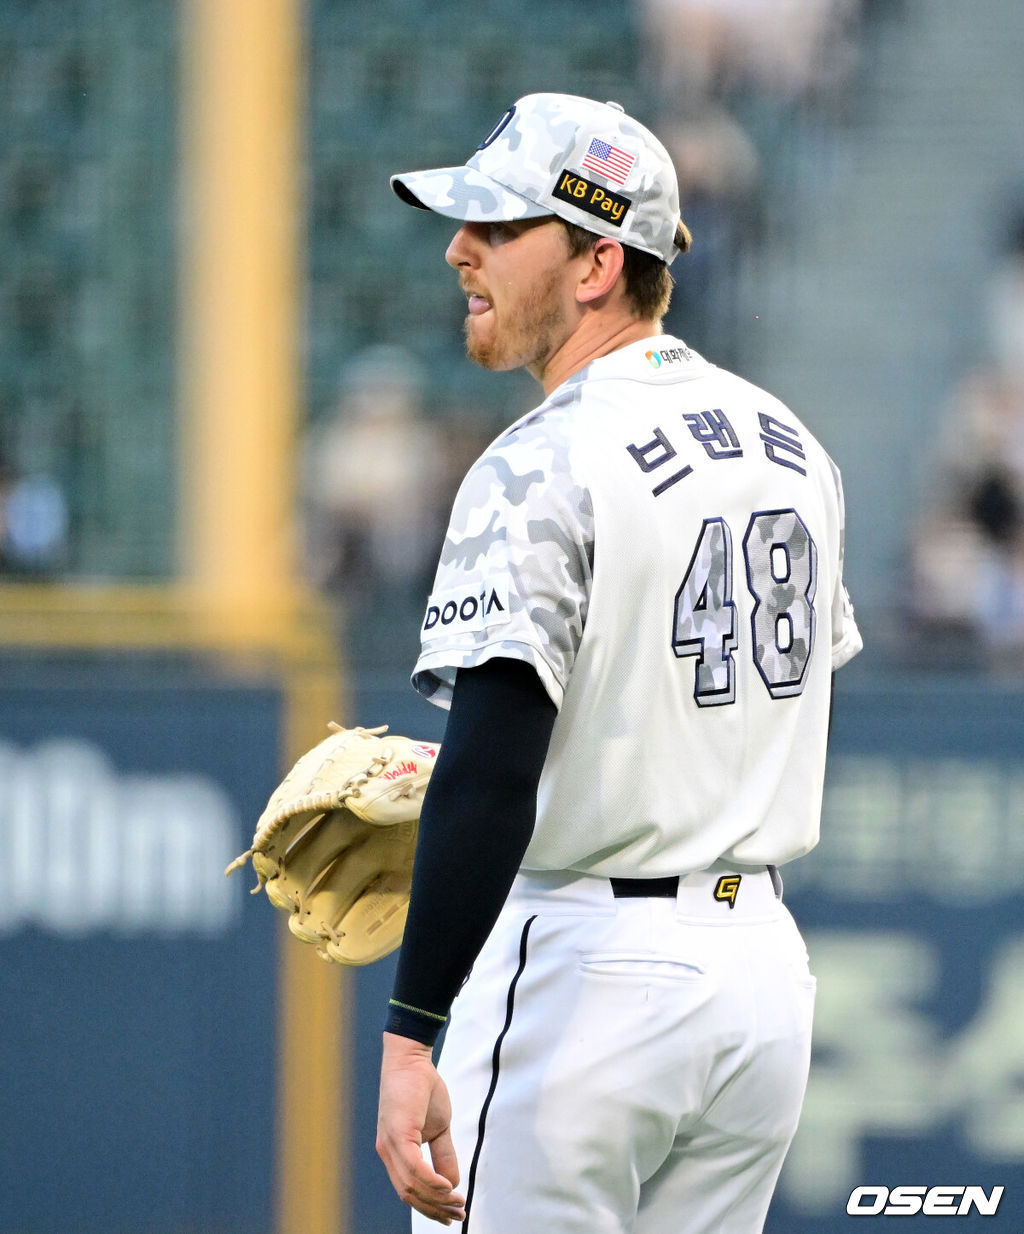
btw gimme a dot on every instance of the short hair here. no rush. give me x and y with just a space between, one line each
648 283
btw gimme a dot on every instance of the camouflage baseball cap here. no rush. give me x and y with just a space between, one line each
585 161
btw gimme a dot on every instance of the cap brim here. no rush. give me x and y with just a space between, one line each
464 193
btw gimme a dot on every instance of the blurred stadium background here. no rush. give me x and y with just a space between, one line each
233 407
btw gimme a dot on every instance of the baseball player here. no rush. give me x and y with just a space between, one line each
635 619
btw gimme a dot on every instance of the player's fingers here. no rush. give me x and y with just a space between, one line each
417 1185
435 1190
444 1214
436 1200
442 1154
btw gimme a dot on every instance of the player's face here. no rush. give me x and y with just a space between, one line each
519 281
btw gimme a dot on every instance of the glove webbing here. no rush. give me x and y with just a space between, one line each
318 802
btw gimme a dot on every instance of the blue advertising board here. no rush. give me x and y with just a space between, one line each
913 910
137 1041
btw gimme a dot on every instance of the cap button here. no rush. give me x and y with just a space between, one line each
617 106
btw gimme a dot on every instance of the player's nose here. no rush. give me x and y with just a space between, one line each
463 249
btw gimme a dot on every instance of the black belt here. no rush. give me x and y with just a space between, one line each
623 888
626 887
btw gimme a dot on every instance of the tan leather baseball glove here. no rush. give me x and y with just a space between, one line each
335 845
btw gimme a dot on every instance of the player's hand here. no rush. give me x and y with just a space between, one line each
415 1110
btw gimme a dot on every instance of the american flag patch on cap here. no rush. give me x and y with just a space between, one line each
608 160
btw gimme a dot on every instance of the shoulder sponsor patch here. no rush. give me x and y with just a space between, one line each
668 355
578 191
467 609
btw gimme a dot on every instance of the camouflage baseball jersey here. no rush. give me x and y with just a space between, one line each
663 542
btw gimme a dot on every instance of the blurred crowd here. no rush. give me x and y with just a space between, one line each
379 474
730 79
967 545
704 50
34 525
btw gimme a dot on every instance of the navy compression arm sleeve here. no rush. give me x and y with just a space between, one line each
477 820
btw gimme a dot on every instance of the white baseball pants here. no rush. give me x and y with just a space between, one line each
629 1066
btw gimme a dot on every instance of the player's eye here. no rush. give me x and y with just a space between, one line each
501 233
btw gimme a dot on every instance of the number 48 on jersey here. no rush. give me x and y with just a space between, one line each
780 560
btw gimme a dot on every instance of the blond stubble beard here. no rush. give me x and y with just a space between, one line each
537 331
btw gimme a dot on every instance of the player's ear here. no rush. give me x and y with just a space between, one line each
606 260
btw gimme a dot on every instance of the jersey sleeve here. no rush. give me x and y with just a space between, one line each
515 571
846 639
